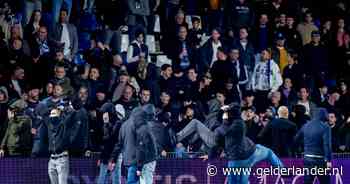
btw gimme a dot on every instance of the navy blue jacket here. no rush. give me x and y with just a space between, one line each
317 136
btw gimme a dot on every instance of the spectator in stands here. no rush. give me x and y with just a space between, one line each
275 102
16 55
214 12
293 39
240 14
266 78
344 99
127 100
165 74
306 27
241 70
344 135
288 93
304 100
294 70
33 26
263 33
181 51
316 59
209 51
65 35
246 50
137 48
94 83
321 94
60 77
326 33
16 85
332 101
196 33
145 96
79 131
137 16
280 52
17 140
281 130
334 124
251 121
222 69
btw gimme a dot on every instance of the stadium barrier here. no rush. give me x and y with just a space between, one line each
168 171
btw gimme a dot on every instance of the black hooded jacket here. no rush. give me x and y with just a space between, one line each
110 131
146 145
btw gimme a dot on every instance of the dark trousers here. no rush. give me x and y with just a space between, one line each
312 163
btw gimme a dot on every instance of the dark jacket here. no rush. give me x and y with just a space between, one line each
317 136
175 49
127 141
293 39
239 14
294 72
280 131
221 71
58 132
73 36
288 98
110 132
79 133
246 55
146 145
206 55
237 145
315 60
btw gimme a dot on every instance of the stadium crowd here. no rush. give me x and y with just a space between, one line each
68 86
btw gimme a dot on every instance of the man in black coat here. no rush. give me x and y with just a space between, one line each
223 69
112 121
281 130
316 59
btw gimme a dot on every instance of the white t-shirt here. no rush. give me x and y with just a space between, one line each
306 105
215 51
65 39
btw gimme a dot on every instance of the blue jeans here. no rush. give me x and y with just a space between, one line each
315 163
132 176
57 5
147 173
103 178
261 153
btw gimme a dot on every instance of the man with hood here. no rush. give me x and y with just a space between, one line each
112 118
18 138
239 149
146 148
138 146
316 136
